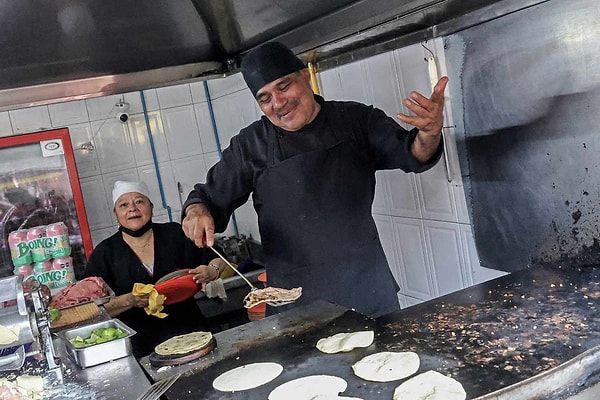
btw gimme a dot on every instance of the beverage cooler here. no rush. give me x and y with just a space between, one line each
42 214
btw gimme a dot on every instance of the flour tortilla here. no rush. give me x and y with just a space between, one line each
9 335
309 387
271 294
184 344
343 342
31 383
387 366
247 377
430 385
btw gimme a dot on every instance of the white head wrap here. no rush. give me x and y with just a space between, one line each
122 187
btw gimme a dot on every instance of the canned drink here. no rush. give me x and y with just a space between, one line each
19 248
66 275
43 272
38 244
59 234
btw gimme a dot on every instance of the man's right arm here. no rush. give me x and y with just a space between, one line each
209 206
199 225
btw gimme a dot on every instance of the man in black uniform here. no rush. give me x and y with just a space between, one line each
310 167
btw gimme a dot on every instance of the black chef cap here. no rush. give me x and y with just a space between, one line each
268 62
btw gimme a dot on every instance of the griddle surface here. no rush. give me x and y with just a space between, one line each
487 337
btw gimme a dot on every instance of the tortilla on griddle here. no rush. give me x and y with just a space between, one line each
309 387
247 376
387 366
184 344
430 385
344 342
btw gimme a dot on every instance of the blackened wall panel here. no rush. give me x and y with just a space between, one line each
527 88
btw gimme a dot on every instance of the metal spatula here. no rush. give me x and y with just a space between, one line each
252 287
157 389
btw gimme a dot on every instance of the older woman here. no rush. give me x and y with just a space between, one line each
142 252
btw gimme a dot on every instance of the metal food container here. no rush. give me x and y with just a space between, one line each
101 352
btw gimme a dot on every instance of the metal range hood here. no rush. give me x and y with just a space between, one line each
61 50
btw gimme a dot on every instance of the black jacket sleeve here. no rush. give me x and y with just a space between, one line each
230 181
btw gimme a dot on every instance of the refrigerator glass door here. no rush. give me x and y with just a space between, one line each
39 186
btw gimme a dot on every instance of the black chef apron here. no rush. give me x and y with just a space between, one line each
317 231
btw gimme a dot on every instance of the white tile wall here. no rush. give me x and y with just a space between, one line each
68 113
174 96
182 133
140 139
422 218
5 125
30 119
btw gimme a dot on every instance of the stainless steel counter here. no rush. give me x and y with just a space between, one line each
121 379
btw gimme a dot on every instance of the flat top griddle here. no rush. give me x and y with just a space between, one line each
487 337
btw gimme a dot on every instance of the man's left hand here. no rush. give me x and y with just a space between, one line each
428 119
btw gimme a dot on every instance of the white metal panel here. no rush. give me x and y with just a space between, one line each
113 145
412 74
232 113
381 200
87 161
403 194
187 172
479 274
101 108
408 301
134 100
226 86
142 149
436 194
437 47
462 212
68 113
176 214
385 228
96 203
99 235
412 258
30 119
182 132
151 99
445 256
5 125
197 90
247 220
205 127
385 90
210 159
174 96
356 82
330 84
148 175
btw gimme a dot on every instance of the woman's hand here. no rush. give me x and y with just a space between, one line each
124 302
207 273
138 301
